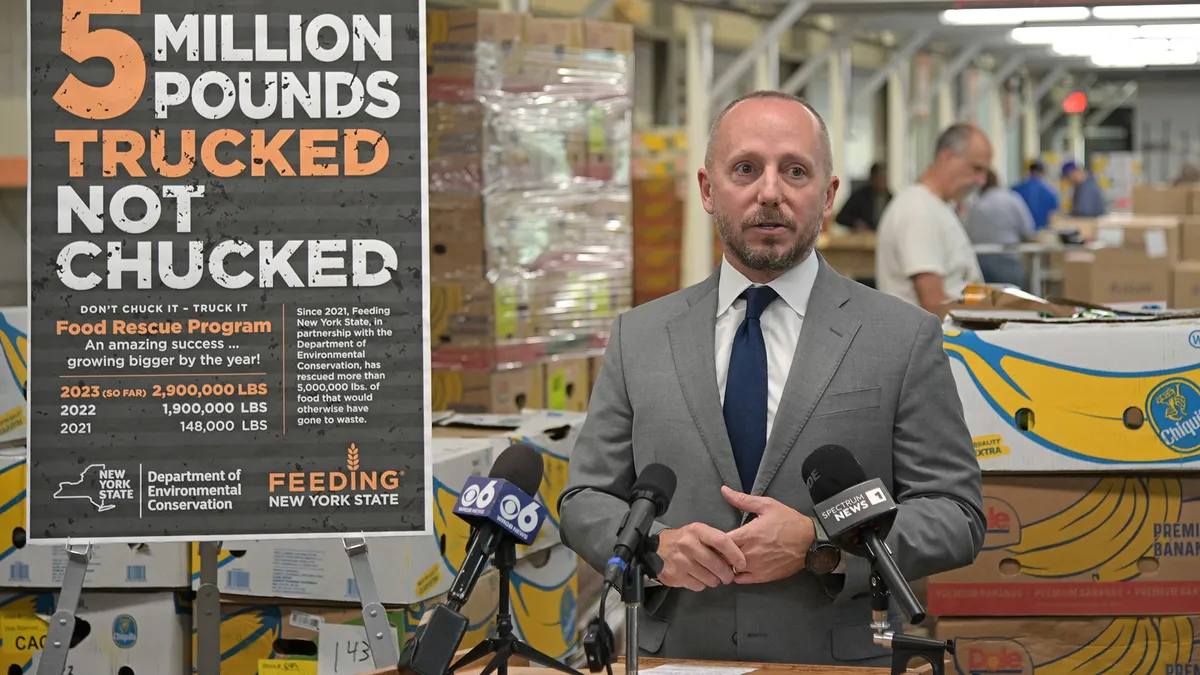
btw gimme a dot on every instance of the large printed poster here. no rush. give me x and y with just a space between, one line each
227 260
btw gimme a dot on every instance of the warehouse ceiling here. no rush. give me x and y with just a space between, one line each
1101 36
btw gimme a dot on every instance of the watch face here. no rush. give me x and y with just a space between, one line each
823 558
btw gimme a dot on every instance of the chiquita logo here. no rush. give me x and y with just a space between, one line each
1174 407
1003 524
994 657
354 486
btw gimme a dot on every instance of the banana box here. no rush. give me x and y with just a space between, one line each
14 343
110 566
407 569
1117 646
257 639
544 597
1082 545
1087 396
115 633
552 433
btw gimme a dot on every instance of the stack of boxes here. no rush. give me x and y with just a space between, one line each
1127 263
1181 202
531 243
134 614
659 169
1088 434
298 600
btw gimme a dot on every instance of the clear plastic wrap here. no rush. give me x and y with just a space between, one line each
530 129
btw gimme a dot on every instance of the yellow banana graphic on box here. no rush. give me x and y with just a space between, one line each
1080 412
248 635
451 531
12 503
1104 534
545 615
554 481
1129 647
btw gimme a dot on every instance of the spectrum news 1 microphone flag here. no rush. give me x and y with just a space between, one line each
857 514
229 302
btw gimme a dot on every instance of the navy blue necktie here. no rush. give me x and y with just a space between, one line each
746 388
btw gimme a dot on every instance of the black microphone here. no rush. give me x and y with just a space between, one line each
649 499
520 465
857 515
436 638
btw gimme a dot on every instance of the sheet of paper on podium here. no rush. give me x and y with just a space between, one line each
684 669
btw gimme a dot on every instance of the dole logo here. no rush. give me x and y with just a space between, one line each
1003 524
1005 657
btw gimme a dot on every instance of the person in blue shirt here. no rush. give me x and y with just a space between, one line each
1039 197
1088 201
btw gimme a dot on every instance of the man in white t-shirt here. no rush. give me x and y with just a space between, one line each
923 254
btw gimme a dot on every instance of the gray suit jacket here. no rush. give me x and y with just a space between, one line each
869 374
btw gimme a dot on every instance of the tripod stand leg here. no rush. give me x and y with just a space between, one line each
477 652
499 662
534 656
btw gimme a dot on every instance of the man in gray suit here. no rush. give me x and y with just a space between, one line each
733 382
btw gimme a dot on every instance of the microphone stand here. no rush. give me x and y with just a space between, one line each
598 641
506 645
904 647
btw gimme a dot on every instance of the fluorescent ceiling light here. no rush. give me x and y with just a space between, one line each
1143 12
1170 30
1045 35
1012 16
1134 60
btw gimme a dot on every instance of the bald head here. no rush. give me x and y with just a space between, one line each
826 149
962 158
958 139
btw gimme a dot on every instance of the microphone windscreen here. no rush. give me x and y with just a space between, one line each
521 465
657 480
829 470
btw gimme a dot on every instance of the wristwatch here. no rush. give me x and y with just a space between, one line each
823 557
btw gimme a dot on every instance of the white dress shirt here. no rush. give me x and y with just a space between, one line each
781 323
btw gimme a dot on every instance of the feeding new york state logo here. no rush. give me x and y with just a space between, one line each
353 486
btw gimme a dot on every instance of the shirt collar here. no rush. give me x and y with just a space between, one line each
794 286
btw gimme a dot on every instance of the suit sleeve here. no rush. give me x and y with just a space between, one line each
937 484
601 471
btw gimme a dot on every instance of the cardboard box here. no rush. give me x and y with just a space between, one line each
457 40
407 569
1084 545
545 592
254 633
410 569
488 391
1078 395
457 141
1126 645
14 339
609 36
110 566
1189 238
1185 286
595 363
1161 199
478 313
1116 278
567 384
553 435
125 633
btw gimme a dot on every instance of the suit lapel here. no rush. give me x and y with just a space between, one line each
826 335
691 335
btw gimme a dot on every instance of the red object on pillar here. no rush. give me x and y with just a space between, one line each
1075 103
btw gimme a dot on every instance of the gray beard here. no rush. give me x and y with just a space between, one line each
767 260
